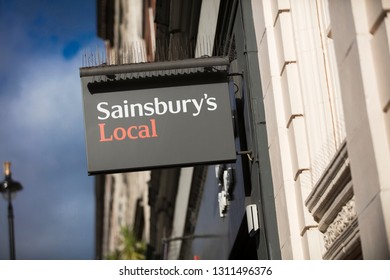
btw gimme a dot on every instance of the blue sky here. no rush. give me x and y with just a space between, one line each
41 127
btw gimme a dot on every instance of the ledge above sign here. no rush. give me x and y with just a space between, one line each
157 115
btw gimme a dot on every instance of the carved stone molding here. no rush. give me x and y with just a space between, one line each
343 220
332 190
347 245
332 204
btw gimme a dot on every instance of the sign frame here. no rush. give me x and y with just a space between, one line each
131 110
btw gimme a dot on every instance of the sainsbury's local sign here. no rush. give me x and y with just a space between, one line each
156 121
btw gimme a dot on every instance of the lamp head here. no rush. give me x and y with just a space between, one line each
8 184
7 168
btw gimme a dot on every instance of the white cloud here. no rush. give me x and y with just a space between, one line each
49 98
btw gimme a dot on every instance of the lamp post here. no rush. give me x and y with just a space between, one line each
8 188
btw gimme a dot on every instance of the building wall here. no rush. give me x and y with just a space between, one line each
179 218
301 134
362 49
133 32
207 27
321 66
122 193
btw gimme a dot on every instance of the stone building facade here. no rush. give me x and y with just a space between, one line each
311 101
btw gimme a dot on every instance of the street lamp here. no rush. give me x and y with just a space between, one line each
8 188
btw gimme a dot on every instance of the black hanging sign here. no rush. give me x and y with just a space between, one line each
156 115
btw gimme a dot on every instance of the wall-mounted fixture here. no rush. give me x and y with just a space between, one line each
225 177
223 202
252 219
